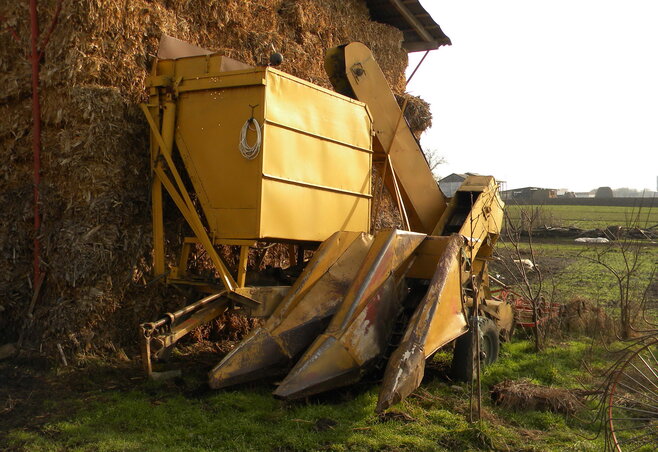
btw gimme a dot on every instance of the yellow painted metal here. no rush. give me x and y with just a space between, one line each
438 319
310 179
242 265
361 327
447 215
312 175
448 321
324 281
180 271
428 254
425 202
302 314
182 199
485 218
269 298
157 214
292 255
475 217
480 229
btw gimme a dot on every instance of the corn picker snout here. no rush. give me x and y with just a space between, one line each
271 158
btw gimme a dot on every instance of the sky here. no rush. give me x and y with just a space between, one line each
555 94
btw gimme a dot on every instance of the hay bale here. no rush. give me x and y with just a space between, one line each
523 395
417 113
95 193
582 316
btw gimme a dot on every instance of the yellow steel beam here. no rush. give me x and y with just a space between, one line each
157 212
368 83
200 232
183 201
242 265
181 270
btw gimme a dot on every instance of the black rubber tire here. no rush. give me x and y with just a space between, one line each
463 368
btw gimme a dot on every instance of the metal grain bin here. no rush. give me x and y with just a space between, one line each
311 175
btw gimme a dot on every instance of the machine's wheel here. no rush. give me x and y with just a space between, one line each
463 358
632 410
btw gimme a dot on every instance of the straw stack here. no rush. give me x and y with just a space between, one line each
96 230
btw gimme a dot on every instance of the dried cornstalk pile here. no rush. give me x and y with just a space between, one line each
524 395
95 200
583 316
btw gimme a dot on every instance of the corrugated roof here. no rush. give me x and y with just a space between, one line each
420 30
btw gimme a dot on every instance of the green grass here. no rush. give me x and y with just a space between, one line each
166 417
589 217
568 268
153 417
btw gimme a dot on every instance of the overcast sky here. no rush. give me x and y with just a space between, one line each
558 94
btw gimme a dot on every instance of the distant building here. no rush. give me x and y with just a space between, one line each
451 183
565 193
604 192
529 194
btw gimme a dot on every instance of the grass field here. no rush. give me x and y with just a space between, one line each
569 271
590 217
108 405
177 416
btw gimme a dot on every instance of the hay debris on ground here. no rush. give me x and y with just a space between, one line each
584 317
524 395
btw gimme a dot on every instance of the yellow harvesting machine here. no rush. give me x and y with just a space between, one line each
252 156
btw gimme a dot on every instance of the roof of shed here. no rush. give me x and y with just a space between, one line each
420 30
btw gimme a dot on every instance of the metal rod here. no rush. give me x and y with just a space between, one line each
498 281
204 315
192 216
645 377
398 198
647 366
638 383
321 137
36 137
635 409
387 160
187 309
635 439
476 333
317 186
417 66
242 265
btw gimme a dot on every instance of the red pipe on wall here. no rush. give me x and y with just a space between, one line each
36 136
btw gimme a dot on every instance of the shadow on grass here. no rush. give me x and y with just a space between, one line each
182 415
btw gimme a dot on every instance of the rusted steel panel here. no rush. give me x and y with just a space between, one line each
438 319
359 331
300 317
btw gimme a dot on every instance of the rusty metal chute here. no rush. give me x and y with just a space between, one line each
305 311
361 327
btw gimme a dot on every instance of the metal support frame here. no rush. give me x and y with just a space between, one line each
160 337
156 203
161 160
242 265
167 331
387 163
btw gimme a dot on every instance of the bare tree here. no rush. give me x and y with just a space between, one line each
625 258
521 265
434 160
